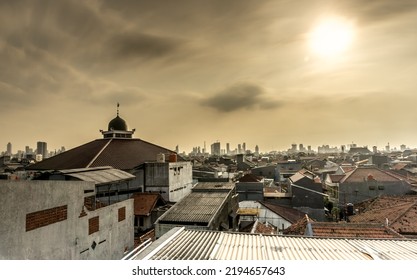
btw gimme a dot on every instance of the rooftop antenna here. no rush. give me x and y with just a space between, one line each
118 105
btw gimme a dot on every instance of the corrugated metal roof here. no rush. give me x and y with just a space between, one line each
214 245
196 207
100 176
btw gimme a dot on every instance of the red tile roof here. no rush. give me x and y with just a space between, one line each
399 212
361 173
298 228
144 203
124 154
353 230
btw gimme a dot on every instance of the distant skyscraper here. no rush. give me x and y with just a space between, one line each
9 148
375 149
41 149
239 148
257 150
215 149
227 148
244 147
293 147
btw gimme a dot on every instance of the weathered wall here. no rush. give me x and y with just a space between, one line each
45 220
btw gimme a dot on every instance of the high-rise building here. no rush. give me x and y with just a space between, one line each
227 148
41 149
294 147
239 148
244 147
215 149
256 150
9 148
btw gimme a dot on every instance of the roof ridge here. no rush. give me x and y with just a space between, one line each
388 207
98 154
403 213
348 174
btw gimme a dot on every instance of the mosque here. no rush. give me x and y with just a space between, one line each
117 149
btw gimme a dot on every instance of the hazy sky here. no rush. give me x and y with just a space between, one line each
185 72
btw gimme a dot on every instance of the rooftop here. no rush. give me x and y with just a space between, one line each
185 244
124 154
197 207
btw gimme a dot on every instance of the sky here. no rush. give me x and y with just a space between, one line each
269 73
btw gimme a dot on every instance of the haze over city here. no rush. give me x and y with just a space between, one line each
267 73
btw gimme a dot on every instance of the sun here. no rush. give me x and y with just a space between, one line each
331 37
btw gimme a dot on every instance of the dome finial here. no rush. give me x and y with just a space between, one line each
118 108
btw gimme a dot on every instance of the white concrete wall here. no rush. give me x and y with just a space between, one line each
265 215
180 180
65 239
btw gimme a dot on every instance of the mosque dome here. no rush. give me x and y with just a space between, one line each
117 124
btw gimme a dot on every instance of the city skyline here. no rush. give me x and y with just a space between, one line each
225 148
268 73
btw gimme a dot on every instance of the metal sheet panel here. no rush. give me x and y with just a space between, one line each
212 245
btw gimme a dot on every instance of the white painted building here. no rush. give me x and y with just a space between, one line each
49 220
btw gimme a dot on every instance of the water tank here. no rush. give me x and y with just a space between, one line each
160 157
173 158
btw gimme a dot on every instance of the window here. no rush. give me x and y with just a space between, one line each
381 188
93 225
141 222
372 188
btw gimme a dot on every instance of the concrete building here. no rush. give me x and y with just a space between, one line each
42 149
280 217
215 149
307 194
363 183
9 149
269 171
63 226
251 187
118 149
172 179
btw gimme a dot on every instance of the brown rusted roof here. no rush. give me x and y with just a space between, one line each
361 173
399 212
298 228
290 214
144 203
124 154
250 178
336 178
355 230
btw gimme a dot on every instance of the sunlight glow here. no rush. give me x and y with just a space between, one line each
331 37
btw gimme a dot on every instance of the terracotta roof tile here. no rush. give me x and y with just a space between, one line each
352 230
361 173
399 212
298 228
144 203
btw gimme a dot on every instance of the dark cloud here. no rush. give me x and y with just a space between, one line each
241 96
131 45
